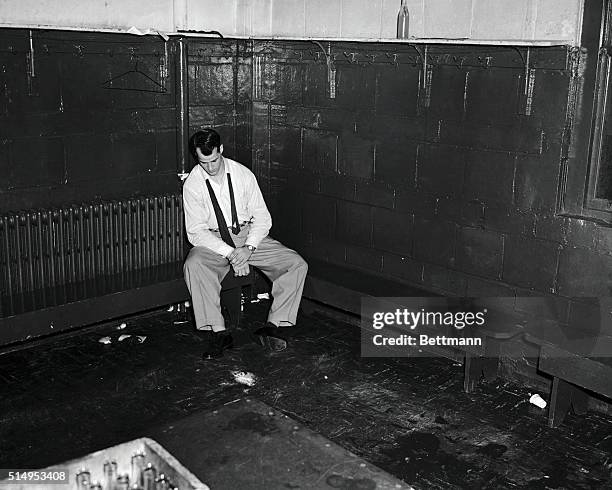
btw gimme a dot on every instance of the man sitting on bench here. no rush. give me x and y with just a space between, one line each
219 191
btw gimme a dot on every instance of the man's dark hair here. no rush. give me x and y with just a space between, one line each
206 140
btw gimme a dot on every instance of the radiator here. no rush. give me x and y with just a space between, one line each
47 248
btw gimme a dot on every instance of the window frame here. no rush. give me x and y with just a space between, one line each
591 75
600 109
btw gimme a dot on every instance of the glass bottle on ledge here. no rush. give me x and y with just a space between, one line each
138 465
83 479
403 20
149 475
110 474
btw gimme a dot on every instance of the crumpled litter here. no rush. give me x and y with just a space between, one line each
263 296
122 326
244 378
108 340
538 401
171 308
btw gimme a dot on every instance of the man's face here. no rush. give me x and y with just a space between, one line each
211 163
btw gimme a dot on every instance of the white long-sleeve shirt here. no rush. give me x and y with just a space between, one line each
200 215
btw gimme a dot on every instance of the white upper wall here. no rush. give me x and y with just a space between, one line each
88 14
521 20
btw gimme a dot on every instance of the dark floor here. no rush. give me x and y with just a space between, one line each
70 395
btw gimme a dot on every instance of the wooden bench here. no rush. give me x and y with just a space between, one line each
344 288
578 358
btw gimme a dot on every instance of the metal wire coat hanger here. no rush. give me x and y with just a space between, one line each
135 74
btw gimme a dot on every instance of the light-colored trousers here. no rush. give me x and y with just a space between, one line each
204 270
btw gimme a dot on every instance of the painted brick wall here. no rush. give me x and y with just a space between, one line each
450 185
66 137
220 93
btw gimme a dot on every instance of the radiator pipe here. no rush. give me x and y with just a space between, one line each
100 238
118 208
129 232
91 227
138 231
155 231
76 246
147 232
81 228
19 257
7 248
112 242
42 282
29 246
164 229
173 226
182 106
51 214
62 251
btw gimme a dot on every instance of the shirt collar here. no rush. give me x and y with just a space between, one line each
227 169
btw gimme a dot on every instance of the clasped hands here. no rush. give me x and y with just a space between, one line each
239 260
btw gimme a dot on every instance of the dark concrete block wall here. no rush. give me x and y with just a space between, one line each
220 93
446 180
65 137
451 175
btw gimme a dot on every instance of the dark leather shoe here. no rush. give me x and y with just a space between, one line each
215 343
269 338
